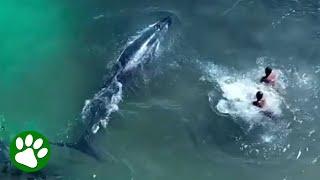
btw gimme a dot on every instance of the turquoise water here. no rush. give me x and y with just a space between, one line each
54 56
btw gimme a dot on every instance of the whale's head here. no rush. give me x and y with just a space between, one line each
164 23
146 45
157 32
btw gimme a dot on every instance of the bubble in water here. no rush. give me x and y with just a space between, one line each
299 154
267 138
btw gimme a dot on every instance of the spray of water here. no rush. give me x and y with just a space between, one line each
290 107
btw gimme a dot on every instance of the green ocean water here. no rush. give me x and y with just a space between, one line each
40 69
54 55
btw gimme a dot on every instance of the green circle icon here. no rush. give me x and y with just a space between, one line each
30 151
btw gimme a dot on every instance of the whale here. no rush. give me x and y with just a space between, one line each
95 114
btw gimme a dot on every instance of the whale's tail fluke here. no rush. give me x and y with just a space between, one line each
85 146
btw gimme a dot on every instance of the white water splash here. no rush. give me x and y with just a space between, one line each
294 99
238 93
110 105
139 55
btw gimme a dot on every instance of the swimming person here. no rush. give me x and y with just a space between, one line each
270 77
260 102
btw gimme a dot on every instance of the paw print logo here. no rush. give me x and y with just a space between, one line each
30 151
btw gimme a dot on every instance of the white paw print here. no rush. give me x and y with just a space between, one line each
28 157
